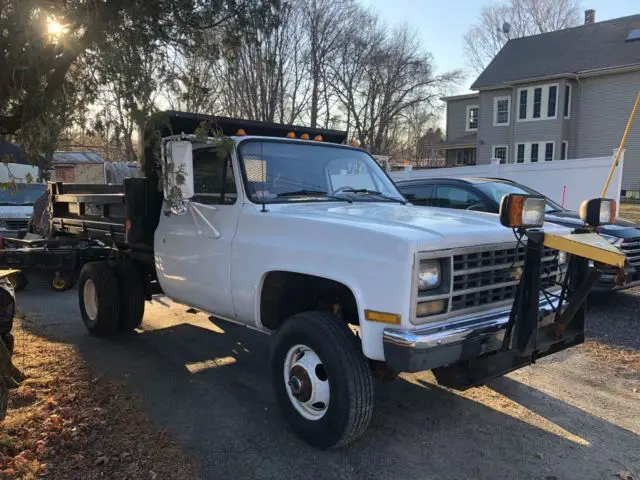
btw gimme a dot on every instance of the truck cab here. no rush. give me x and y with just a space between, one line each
308 240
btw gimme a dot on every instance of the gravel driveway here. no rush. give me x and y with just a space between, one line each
568 417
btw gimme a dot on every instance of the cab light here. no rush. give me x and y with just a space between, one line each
304 136
291 135
241 132
318 138
127 226
355 143
382 317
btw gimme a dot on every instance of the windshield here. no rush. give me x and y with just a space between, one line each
496 190
22 194
294 172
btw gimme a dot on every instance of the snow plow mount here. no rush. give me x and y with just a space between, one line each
530 332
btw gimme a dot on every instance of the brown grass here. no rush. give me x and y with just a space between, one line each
622 360
630 211
65 423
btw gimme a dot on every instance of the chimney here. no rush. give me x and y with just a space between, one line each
589 16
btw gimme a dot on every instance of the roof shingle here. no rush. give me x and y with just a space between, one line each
580 49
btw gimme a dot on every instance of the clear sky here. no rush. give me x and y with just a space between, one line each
442 24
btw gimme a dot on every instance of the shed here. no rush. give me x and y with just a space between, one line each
78 167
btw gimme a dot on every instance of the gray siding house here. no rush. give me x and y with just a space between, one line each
548 97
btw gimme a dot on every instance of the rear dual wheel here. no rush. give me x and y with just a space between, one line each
111 297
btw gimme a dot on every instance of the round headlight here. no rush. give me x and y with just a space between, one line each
429 275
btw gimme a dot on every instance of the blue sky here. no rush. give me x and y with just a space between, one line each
442 24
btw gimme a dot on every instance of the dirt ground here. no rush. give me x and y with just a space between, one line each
575 415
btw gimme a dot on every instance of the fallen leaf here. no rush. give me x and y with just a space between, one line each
101 460
540 456
624 475
153 475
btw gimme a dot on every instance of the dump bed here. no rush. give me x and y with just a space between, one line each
122 215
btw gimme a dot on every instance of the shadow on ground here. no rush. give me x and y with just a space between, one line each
223 413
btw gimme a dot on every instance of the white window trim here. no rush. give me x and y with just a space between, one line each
569 103
495 111
506 156
542 145
544 152
566 150
544 102
466 121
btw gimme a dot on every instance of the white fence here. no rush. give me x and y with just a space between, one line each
567 182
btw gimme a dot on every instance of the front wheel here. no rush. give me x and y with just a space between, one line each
321 379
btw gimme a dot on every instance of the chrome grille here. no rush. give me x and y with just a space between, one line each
490 275
631 248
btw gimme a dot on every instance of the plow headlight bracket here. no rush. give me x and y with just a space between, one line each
522 211
598 211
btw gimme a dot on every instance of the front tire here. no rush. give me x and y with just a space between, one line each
321 379
99 298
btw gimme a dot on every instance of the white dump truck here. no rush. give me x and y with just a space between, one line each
288 231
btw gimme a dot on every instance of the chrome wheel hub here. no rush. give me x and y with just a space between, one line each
90 298
306 382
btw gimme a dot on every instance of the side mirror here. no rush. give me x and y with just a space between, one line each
177 156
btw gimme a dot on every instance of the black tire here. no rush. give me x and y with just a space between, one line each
106 320
19 281
61 281
131 295
346 368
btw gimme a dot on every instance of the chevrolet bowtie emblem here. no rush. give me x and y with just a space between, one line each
516 273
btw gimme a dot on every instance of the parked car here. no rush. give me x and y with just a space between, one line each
16 207
484 195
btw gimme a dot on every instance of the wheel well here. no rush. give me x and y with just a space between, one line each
287 293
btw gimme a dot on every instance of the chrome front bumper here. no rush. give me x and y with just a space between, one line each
453 340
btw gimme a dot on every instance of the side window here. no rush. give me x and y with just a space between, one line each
460 198
419 195
213 179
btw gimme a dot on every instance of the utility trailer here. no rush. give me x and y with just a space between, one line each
288 231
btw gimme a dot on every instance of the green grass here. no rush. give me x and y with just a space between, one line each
630 211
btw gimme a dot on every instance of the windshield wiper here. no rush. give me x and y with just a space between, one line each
373 192
301 193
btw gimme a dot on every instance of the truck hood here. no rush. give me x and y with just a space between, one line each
424 226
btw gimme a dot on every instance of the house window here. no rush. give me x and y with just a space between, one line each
534 152
565 150
466 157
567 100
500 152
548 151
552 101
472 118
501 110
520 157
523 104
537 102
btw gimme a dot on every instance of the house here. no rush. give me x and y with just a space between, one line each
558 95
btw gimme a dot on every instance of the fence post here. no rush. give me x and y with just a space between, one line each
620 166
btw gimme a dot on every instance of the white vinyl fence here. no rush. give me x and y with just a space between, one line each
567 182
